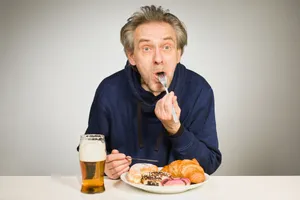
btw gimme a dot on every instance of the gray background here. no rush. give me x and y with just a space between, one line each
54 54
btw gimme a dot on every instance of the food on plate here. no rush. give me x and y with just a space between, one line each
177 173
137 170
175 182
190 169
154 178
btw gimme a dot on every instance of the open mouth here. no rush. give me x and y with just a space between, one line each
159 73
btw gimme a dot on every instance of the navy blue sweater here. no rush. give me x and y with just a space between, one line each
124 112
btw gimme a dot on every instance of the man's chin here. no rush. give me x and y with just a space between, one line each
156 91
154 88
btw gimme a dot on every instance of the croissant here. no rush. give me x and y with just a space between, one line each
190 169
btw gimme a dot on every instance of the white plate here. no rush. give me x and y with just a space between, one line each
164 189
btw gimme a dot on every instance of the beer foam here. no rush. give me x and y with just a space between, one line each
92 151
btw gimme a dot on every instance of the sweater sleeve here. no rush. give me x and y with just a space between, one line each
98 122
198 137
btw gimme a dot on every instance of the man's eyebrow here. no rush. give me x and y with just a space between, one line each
168 38
147 40
143 40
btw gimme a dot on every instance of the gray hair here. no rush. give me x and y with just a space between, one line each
152 14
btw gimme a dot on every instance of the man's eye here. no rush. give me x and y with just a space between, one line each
146 49
167 47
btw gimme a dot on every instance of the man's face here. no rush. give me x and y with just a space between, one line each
155 51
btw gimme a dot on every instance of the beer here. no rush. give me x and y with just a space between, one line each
92 155
92 176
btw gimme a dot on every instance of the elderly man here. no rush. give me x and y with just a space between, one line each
133 110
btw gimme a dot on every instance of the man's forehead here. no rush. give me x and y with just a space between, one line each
155 31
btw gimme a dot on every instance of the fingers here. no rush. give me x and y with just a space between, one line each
116 164
119 171
114 151
163 109
176 106
129 159
115 156
168 102
174 100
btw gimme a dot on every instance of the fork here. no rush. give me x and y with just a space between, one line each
142 159
163 80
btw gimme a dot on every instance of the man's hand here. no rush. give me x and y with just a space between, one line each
116 164
163 111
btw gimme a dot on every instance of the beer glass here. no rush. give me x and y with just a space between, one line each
92 155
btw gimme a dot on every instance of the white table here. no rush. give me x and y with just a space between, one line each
218 187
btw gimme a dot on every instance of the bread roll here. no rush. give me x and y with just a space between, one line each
190 169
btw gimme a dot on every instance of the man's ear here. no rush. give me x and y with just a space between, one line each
130 57
179 51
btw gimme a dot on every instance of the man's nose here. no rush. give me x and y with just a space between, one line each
158 58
